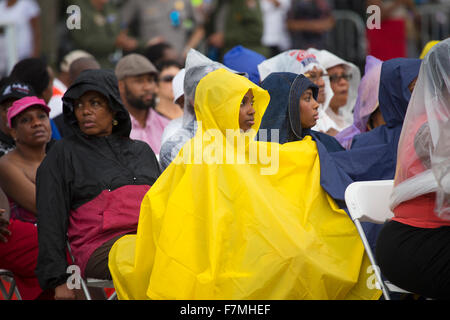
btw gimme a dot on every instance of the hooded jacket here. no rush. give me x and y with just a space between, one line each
283 114
226 230
373 154
89 187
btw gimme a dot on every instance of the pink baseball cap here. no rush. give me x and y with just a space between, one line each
20 105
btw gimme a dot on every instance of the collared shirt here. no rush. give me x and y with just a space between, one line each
153 130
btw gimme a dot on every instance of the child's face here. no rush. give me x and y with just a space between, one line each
246 112
308 109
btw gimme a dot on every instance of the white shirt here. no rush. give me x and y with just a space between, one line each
275 31
19 15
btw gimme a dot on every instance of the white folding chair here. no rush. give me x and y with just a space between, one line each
92 282
368 201
8 276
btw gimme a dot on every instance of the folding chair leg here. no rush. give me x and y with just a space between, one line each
372 259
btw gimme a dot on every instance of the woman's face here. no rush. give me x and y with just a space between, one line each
339 84
316 76
308 109
32 127
93 114
165 82
246 112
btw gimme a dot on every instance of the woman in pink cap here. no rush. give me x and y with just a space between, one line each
30 128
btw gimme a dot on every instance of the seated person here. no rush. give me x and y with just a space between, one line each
344 79
91 183
413 249
366 111
10 91
229 240
30 129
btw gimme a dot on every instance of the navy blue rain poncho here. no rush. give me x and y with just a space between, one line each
283 113
373 154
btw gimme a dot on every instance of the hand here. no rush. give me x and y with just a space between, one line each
62 292
155 40
217 39
125 42
4 232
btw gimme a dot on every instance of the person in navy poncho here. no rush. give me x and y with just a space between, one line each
373 154
283 113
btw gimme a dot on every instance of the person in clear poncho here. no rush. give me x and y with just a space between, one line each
208 229
180 130
413 249
306 63
344 79
366 103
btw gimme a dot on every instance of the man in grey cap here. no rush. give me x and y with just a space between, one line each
137 85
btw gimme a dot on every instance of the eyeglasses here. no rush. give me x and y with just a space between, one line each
167 78
337 78
315 77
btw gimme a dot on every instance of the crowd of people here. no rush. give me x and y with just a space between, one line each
218 172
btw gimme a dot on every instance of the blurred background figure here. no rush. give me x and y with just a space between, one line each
235 22
24 15
308 23
275 33
172 21
100 32
399 25
165 104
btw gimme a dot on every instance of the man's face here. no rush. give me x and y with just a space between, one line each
4 106
139 92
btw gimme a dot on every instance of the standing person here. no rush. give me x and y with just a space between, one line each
31 131
100 32
413 247
173 21
344 79
275 33
165 105
91 184
308 23
24 15
366 103
396 32
242 25
138 79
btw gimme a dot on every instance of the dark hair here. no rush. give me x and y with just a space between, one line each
32 71
164 64
155 52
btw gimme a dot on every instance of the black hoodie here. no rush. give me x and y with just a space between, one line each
79 168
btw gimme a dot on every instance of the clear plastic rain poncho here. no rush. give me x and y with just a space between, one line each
299 62
366 102
197 66
423 164
329 60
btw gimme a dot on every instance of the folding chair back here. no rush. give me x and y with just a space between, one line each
368 201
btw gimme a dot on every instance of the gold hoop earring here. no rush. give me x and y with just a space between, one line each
115 122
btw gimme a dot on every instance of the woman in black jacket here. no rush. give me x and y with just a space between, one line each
90 185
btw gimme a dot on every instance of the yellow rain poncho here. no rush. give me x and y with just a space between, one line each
243 229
